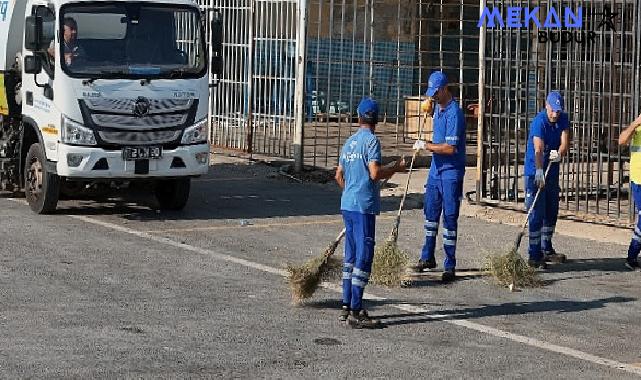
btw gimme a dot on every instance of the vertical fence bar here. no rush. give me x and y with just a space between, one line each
481 111
299 94
250 78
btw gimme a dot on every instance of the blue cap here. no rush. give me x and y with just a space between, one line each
555 100
437 80
368 109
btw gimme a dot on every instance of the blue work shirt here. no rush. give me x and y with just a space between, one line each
551 135
360 194
449 128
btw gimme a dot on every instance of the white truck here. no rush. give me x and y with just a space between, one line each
104 93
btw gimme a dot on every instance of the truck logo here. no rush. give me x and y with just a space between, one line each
141 107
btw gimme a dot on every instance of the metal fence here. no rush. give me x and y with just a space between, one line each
387 48
600 82
384 49
252 107
379 48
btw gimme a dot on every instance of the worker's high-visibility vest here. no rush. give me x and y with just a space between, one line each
635 158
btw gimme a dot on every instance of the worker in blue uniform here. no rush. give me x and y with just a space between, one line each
358 173
444 187
548 142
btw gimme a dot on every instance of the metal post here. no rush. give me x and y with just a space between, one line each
250 80
481 115
299 94
210 111
461 55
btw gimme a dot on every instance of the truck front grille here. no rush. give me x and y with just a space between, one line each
139 137
126 106
147 122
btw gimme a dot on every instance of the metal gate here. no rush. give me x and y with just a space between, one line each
380 48
600 82
252 107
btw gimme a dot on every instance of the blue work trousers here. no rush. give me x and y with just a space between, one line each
442 196
360 237
542 221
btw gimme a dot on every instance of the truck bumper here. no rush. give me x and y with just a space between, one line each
98 163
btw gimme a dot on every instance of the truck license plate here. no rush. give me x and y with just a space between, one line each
141 153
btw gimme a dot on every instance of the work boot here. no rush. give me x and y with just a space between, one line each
425 264
553 257
633 265
540 264
359 319
344 314
449 275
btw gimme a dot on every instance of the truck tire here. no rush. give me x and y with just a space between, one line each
172 194
41 187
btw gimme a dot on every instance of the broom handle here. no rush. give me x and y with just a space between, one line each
409 177
407 186
538 192
331 248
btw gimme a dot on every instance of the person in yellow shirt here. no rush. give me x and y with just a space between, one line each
632 135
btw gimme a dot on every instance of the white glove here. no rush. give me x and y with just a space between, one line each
555 156
419 145
539 178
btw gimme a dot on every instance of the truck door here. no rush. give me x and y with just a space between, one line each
38 95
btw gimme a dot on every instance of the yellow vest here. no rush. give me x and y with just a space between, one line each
635 158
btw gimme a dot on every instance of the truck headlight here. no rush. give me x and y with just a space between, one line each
75 133
196 134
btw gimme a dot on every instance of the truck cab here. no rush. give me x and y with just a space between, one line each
104 92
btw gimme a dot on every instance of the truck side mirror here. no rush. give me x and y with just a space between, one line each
33 33
217 43
32 64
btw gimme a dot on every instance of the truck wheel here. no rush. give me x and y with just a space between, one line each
172 194
41 187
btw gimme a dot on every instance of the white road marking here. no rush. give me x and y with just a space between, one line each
202 251
403 307
532 342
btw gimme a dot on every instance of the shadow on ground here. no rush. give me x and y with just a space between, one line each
461 312
227 192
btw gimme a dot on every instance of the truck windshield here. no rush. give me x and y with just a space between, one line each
131 40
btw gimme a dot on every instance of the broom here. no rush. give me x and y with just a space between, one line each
304 280
510 269
389 260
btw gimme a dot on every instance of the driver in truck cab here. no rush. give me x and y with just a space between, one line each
72 50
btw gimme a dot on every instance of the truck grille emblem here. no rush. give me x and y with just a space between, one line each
141 107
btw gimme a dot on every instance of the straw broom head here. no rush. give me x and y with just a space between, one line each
305 279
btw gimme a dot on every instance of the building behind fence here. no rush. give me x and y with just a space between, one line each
387 48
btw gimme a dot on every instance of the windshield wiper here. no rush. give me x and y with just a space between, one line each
113 72
179 73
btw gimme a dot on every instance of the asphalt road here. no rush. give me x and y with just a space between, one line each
118 289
